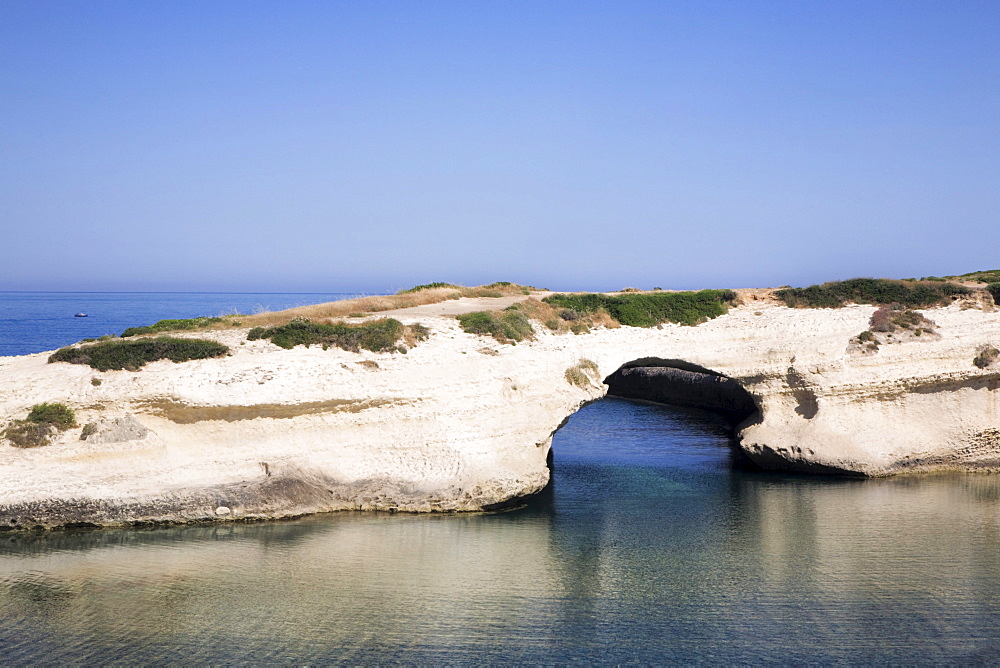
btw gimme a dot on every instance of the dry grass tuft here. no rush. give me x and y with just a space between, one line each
351 307
364 306
584 373
498 289
414 334
179 412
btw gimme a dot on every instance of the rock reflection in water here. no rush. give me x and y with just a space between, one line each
648 547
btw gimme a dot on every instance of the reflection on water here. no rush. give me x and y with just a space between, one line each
649 547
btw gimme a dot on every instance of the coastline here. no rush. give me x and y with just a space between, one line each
464 423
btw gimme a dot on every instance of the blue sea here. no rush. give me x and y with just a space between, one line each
32 322
653 544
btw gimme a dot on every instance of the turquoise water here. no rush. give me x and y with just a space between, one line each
651 546
32 322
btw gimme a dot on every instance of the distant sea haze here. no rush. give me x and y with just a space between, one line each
33 322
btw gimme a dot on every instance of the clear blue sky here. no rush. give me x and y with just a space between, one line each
589 145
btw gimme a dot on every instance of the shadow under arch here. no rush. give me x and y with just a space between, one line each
680 383
674 382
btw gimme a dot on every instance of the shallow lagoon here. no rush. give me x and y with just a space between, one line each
650 546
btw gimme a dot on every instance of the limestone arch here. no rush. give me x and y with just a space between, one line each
677 382
682 383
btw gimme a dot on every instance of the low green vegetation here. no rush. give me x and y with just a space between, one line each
893 323
912 294
176 325
579 313
507 326
58 415
506 287
429 286
987 355
647 309
867 341
419 332
377 336
994 290
892 317
133 355
43 419
583 373
985 276
24 434
497 289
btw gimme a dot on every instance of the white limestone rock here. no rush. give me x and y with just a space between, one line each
452 427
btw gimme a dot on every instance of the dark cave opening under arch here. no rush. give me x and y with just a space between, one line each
681 383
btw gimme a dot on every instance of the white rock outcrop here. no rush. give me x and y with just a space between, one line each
464 423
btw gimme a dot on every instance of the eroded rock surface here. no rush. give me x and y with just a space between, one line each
461 423
114 430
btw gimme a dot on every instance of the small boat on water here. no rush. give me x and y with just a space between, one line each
80 315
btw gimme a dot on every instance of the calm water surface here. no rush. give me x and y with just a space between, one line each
649 547
32 322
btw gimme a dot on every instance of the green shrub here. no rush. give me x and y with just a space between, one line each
420 332
377 335
24 434
133 355
892 317
987 355
985 276
509 325
994 290
913 294
507 287
172 326
650 309
35 430
58 415
429 286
